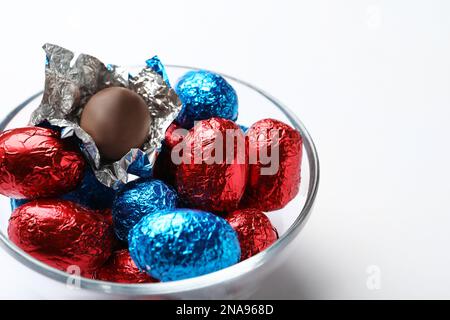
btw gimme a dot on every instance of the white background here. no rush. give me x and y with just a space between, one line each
369 78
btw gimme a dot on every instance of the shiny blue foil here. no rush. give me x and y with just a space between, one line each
205 95
158 67
243 128
15 203
137 199
90 193
183 243
141 167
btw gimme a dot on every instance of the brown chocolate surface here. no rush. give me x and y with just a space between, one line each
118 120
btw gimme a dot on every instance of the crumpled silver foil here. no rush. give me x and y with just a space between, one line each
70 84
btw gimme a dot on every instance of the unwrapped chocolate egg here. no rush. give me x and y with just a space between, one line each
137 199
36 163
213 170
122 269
183 243
205 95
275 157
61 234
254 229
117 119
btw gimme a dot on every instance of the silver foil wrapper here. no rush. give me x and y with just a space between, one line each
70 84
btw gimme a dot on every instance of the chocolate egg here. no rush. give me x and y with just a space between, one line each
15 203
137 199
183 243
61 234
205 95
275 156
120 268
36 163
118 120
164 168
91 193
213 171
254 229
174 135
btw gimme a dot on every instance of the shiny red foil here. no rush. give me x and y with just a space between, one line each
36 163
121 268
107 215
62 233
273 192
174 135
208 185
164 169
254 229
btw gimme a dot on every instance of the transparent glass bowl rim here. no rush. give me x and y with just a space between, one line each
202 282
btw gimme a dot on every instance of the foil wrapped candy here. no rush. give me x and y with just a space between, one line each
68 87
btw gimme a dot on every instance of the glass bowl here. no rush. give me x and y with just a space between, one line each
236 282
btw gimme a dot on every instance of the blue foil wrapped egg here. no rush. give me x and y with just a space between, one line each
15 203
243 128
183 243
205 95
91 193
137 199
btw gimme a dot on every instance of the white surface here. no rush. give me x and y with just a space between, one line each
370 80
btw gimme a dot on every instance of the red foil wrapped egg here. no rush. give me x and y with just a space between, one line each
254 229
164 168
107 215
213 173
62 233
174 135
36 163
121 268
275 156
